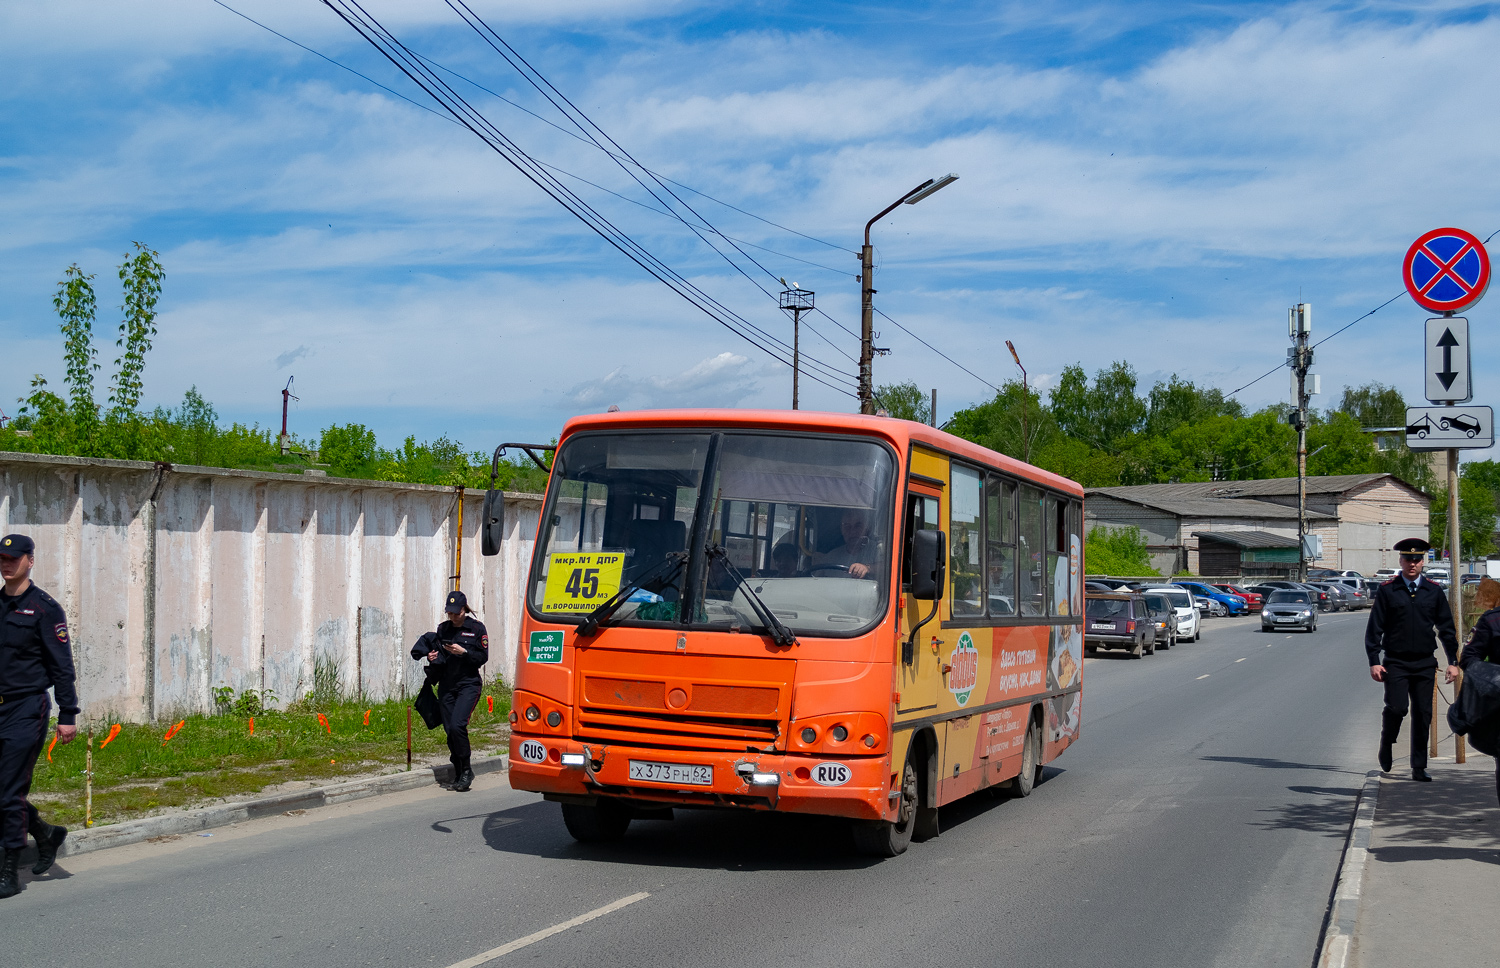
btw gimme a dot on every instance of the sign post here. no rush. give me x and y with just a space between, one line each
1446 271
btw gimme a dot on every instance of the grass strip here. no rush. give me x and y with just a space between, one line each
213 757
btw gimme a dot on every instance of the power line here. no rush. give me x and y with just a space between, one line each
378 36
939 352
1282 366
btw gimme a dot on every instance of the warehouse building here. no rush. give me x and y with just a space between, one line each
1250 527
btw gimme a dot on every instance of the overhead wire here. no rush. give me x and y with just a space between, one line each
376 34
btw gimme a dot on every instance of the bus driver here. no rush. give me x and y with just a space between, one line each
856 555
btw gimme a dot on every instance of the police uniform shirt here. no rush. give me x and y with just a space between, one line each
474 639
34 651
1484 643
1403 620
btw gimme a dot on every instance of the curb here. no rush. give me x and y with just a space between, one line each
136 831
1343 913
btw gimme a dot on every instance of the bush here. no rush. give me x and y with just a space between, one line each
1118 551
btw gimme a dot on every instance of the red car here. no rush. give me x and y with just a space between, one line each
1253 600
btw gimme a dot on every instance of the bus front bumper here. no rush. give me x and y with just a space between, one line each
858 787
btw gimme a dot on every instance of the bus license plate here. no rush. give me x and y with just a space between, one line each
675 773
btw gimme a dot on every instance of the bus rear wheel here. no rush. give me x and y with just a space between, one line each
887 838
1031 762
601 823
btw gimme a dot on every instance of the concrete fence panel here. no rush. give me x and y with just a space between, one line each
181 580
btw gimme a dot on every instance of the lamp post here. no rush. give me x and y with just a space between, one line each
1025 402
867 288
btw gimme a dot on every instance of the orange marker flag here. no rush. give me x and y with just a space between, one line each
252 725
367 717
492 704
49 747
323 721
173 731
113 732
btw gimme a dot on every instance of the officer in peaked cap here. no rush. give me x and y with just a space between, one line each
1406 613
34 656
454 654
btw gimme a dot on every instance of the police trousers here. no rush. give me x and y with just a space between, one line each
23 727
458 701
1409 679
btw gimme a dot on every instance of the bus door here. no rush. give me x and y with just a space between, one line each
920 681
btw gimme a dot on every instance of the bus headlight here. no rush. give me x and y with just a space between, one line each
554 719
839 734
572 759
765 779
533 714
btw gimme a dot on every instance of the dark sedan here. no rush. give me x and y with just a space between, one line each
1289 609
1118 621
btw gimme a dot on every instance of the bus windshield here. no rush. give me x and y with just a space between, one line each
803 522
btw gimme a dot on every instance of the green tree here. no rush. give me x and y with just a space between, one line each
141 275
1374 405
75 304
196 429
1101 414
1013 422
349 450
904 401
1476 519
1177 402
1337 444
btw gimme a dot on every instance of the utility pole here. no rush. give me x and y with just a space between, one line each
1299 358
867 289
286 394
798 301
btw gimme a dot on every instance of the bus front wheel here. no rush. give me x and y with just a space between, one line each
601 823
886 838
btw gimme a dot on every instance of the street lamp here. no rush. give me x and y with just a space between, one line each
867 288
1025 402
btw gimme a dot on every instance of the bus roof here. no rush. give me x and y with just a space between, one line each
901 433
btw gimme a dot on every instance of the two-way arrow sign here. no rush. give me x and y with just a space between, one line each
1448 369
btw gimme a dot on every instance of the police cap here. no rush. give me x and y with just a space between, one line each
16 545
456 603
1412 546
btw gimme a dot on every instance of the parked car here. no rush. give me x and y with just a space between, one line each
1253 600
1386 574
1360 589
1324 599
1164 616
1118 620
1439 574
1232 604
1339 597
1096 586
1289 608
1471 578
1189 622
1118 584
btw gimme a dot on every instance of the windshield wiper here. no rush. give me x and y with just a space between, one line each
779 633
591 622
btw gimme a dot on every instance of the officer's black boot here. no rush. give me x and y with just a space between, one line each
10 881
49 838
463 776
1385 755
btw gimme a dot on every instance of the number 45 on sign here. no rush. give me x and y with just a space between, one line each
580 581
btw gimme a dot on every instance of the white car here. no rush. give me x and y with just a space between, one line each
1189 623
1439 575
1384 574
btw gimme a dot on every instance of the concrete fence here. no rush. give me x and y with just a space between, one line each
178 580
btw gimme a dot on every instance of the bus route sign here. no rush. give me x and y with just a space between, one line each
1446 270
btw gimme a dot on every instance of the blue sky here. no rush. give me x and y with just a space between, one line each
1143 181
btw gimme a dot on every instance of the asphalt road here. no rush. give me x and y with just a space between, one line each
1198 822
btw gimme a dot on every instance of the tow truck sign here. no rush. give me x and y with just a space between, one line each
1442 428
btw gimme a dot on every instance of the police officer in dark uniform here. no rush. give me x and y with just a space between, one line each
455 653
1406 611
34 655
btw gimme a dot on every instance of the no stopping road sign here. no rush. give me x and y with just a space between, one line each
1446 270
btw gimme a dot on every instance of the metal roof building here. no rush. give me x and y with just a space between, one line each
1253 524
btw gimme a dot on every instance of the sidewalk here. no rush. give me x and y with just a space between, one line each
1433 847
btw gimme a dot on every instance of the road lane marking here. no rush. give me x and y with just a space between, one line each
1204 676
1241 660
519 943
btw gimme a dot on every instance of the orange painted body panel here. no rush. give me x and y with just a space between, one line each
737 703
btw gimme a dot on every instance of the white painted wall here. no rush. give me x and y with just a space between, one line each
255 575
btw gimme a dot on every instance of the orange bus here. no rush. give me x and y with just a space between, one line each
789 610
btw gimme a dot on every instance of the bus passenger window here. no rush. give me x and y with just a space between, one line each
1000 553
1056 578
1031 558
966 542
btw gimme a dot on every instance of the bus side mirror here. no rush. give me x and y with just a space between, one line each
929 564
492 528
